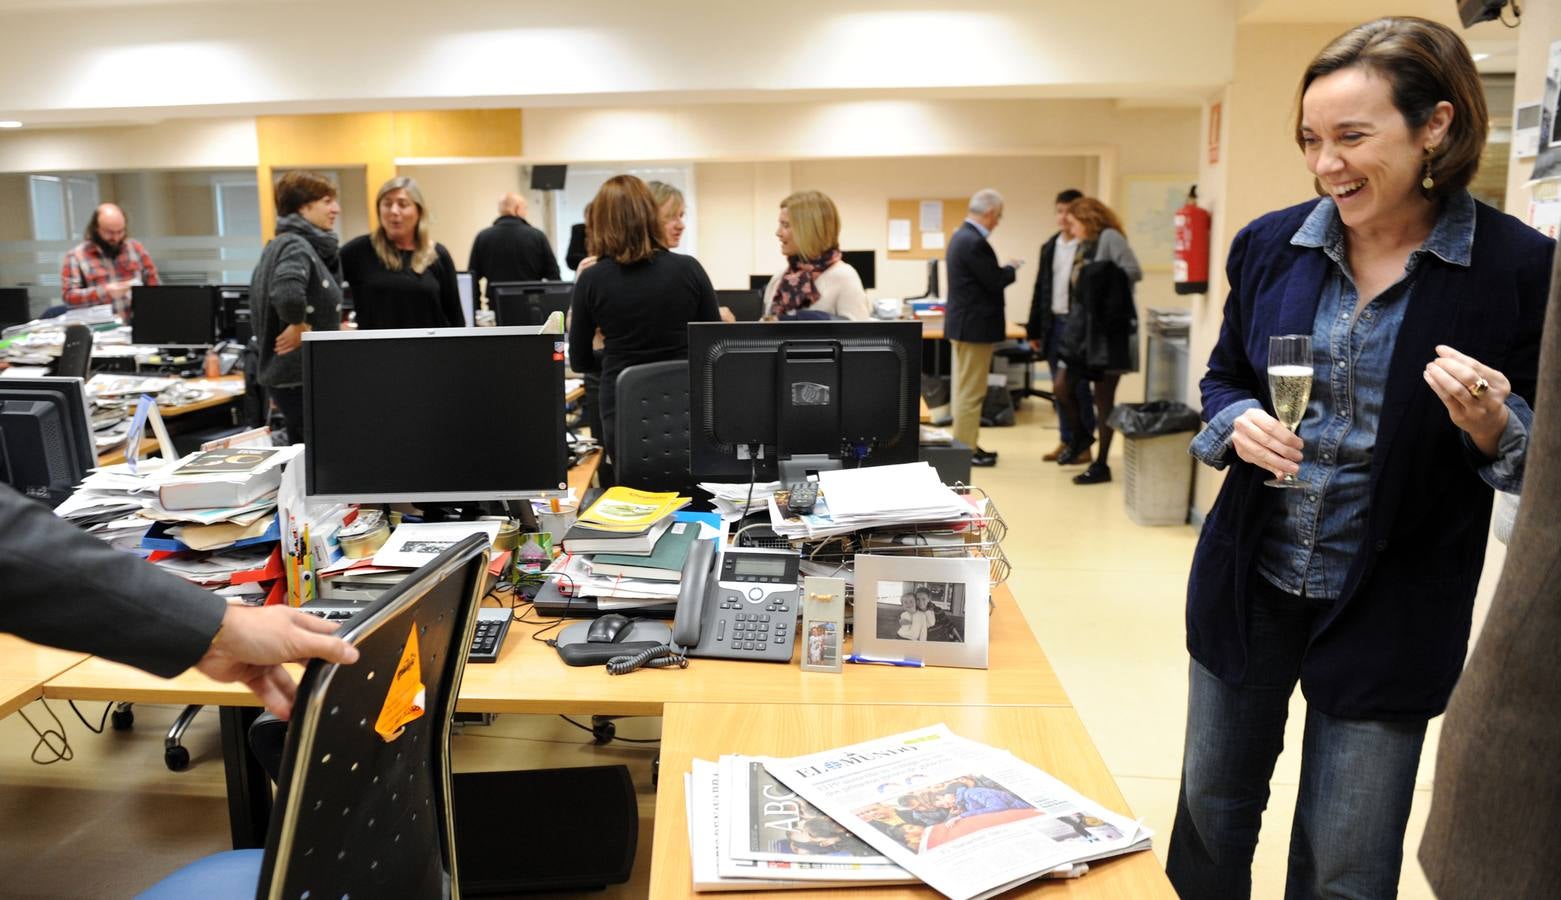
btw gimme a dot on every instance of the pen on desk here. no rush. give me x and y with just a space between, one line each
884 661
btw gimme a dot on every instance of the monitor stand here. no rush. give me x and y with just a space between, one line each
797 468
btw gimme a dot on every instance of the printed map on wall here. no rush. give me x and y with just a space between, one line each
1151 202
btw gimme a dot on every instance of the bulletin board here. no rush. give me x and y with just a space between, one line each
950 213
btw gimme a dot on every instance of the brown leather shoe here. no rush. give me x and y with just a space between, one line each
1052 456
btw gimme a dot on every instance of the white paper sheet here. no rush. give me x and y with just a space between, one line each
899 234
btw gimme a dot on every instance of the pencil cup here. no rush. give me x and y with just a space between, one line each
557 523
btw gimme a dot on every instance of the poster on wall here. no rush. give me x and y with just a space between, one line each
1150 216
1547 164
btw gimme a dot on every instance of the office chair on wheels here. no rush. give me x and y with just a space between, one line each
651 451
356 814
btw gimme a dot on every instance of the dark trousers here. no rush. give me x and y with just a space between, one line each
1083 400
290 402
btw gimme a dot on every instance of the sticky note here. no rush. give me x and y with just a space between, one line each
404 701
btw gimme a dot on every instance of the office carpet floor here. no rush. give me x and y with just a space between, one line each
1103 596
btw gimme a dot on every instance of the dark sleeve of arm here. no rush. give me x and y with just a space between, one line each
549 260
449 291
1040 302
984 267
67 589
706 308
582 324
288 290
476 266
1230 378
1522 366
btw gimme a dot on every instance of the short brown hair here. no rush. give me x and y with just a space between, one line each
623 222
298 189
1094 216
1423 63
815 223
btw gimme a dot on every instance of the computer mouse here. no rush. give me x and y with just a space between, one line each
608 629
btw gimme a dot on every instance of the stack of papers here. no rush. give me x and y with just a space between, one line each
853 500
729 498
967 819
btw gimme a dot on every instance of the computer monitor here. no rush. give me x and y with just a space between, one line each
45 436
233 322
15 308
759 282
932 282
425 414
173 315
463 284
528 302
784 398
747 306
865 262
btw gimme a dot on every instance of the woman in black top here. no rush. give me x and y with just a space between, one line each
639 294
399 277
296 287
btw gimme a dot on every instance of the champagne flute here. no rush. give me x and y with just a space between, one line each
1290 385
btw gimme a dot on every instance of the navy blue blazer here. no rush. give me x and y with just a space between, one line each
1393 645
975 308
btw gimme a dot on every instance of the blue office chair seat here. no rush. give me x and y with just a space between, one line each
231 873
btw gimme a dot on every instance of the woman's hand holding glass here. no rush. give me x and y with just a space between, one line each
1475 396
1263 441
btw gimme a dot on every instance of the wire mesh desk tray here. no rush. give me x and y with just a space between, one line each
979 535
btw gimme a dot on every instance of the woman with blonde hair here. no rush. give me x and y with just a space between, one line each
640 296
1100 339
670 208
815 277
398 276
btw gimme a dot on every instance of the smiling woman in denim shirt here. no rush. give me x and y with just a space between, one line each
1424 309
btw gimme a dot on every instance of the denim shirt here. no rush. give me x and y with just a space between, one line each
1311 539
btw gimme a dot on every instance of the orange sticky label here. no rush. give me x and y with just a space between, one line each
404 701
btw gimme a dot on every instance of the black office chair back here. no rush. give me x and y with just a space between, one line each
651 445
359 815
746 306
76 353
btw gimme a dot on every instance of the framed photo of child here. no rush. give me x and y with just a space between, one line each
931 609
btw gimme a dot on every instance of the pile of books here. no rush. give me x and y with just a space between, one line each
626 551
968 819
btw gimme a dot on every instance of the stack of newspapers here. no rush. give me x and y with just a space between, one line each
869 498
967 819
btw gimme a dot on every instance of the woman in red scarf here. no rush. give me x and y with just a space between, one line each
815 278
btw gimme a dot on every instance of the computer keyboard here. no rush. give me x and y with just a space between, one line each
492 626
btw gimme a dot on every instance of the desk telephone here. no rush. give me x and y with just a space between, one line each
750 612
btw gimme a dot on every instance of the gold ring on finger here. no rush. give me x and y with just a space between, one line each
1479 387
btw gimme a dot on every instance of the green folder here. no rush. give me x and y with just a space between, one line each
665 562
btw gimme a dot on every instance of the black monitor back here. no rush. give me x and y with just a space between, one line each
548 178
528 302
444 415
865 262
867 373
15 308
45 436
173 315
759 282
747 306
233 321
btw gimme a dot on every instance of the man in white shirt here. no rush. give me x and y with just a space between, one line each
1049 307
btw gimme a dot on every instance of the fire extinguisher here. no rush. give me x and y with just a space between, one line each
1190 271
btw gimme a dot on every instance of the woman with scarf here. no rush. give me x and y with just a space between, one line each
296 287
815 278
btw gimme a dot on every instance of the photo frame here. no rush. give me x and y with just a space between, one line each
932 609
823 628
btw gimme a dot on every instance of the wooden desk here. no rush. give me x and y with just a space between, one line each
25 666
148 442
1052 738
530 678
581 476
1012 331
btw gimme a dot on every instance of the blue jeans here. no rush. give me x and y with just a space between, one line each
1081 391
1357 777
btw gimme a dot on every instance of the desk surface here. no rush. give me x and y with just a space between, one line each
25 666
933 331
530 678
1052 738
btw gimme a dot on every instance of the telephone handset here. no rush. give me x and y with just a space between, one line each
748 612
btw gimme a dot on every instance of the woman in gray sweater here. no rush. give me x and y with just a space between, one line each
1091 313
296 288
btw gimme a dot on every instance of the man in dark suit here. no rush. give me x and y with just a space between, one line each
511 249
65 588
1049 315
974 320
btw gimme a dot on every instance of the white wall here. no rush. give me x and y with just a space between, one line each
219 143
463 200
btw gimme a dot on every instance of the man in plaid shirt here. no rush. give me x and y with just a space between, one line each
102 268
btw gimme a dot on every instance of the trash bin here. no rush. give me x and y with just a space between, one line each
1158 486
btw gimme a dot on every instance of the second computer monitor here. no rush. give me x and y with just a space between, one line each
814 395
747 306
865 262
421 414
46 444
528 302
173 315
14 306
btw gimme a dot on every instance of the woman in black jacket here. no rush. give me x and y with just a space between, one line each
640 295
296 287
399 277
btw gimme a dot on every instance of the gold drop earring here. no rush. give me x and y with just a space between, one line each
1427 181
